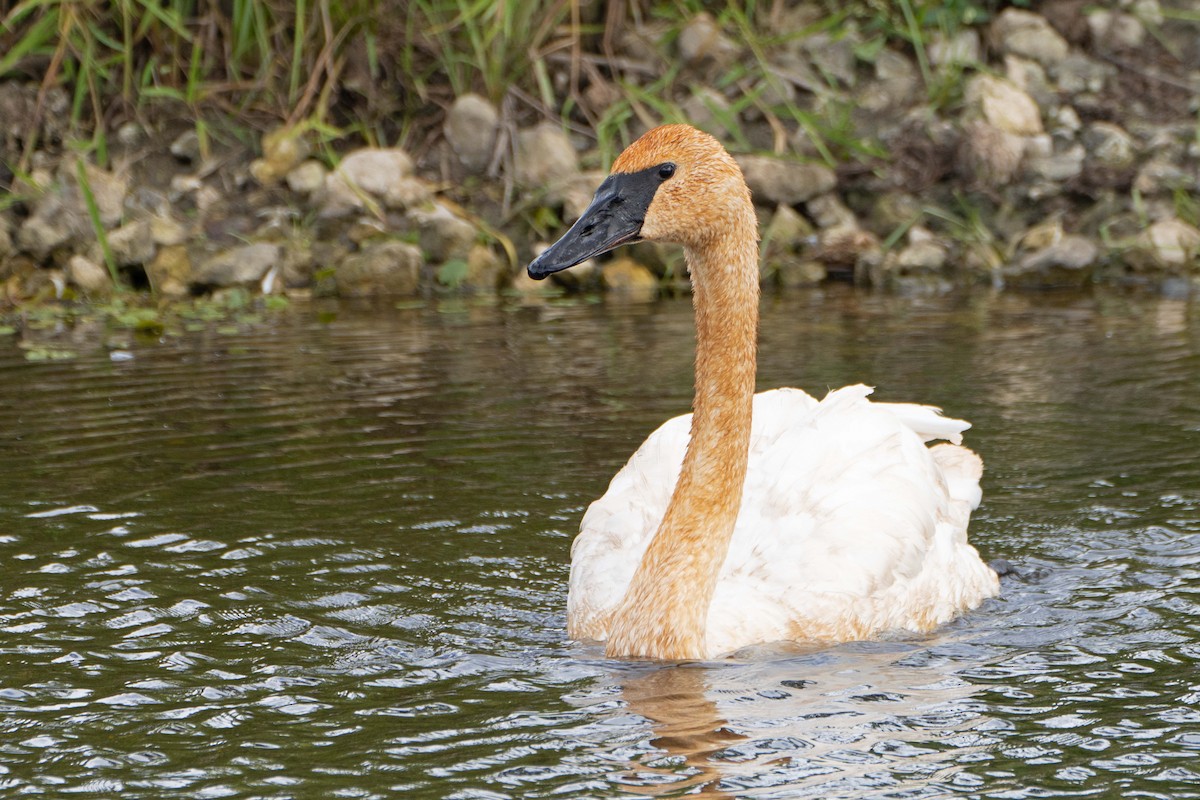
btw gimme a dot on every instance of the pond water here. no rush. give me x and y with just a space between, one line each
328 558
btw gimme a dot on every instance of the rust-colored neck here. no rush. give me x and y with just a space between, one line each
665 610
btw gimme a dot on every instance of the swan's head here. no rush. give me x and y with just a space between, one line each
674 184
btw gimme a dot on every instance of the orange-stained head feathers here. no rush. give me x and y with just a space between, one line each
674 184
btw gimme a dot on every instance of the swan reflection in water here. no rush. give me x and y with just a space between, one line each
826 723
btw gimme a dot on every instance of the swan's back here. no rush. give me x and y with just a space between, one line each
849 525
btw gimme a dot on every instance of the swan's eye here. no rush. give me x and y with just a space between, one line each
666 171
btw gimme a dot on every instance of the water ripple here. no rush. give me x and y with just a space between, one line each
233 549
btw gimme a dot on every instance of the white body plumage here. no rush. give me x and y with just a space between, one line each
849 525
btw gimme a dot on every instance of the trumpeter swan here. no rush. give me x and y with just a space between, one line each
757 518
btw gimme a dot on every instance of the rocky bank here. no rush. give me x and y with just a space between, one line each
1041 149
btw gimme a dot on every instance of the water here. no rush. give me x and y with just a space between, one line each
312 559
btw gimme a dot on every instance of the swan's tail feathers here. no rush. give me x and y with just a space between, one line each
962 469
927 421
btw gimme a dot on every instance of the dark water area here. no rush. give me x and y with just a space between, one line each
329 558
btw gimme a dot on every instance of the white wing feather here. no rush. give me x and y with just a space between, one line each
849 526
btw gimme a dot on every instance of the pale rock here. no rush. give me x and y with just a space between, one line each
707 110
132 244
801 274
485 268
471 128
1156 176
1068 119
577 193
1066 261
307 177
1170 244
170 273
1030 78
283 149
627 279
90 277
381 269
443 234
1027 34
1005 106
239 266
833 57
991 154
186 146
896 82
39 236
408 193
545 160
1077 73
923 256
963 48
1058 167
1109 145
1116 29
1148 11
166 231
364 177
702 41
828 211
774 180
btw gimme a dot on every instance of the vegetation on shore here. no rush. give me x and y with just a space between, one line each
916 143
385 70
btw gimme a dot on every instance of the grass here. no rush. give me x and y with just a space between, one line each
385 69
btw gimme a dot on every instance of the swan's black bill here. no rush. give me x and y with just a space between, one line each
613 218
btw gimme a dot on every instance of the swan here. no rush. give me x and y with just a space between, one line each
757 518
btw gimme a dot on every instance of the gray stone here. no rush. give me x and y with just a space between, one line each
444 234
1114 29
307 177
61 216
828 211
1078 73
833 57
775 180
239 266
702 41
166 231
381 269
1170 244
485 269
1005 106
1156 176
963 48
364 177
925 256
1108 145
88 276
40 235
186 147
707 110
471 127
1069 261
1058 166
544 160
132 244
283 149
990 154
406 193
1027 34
